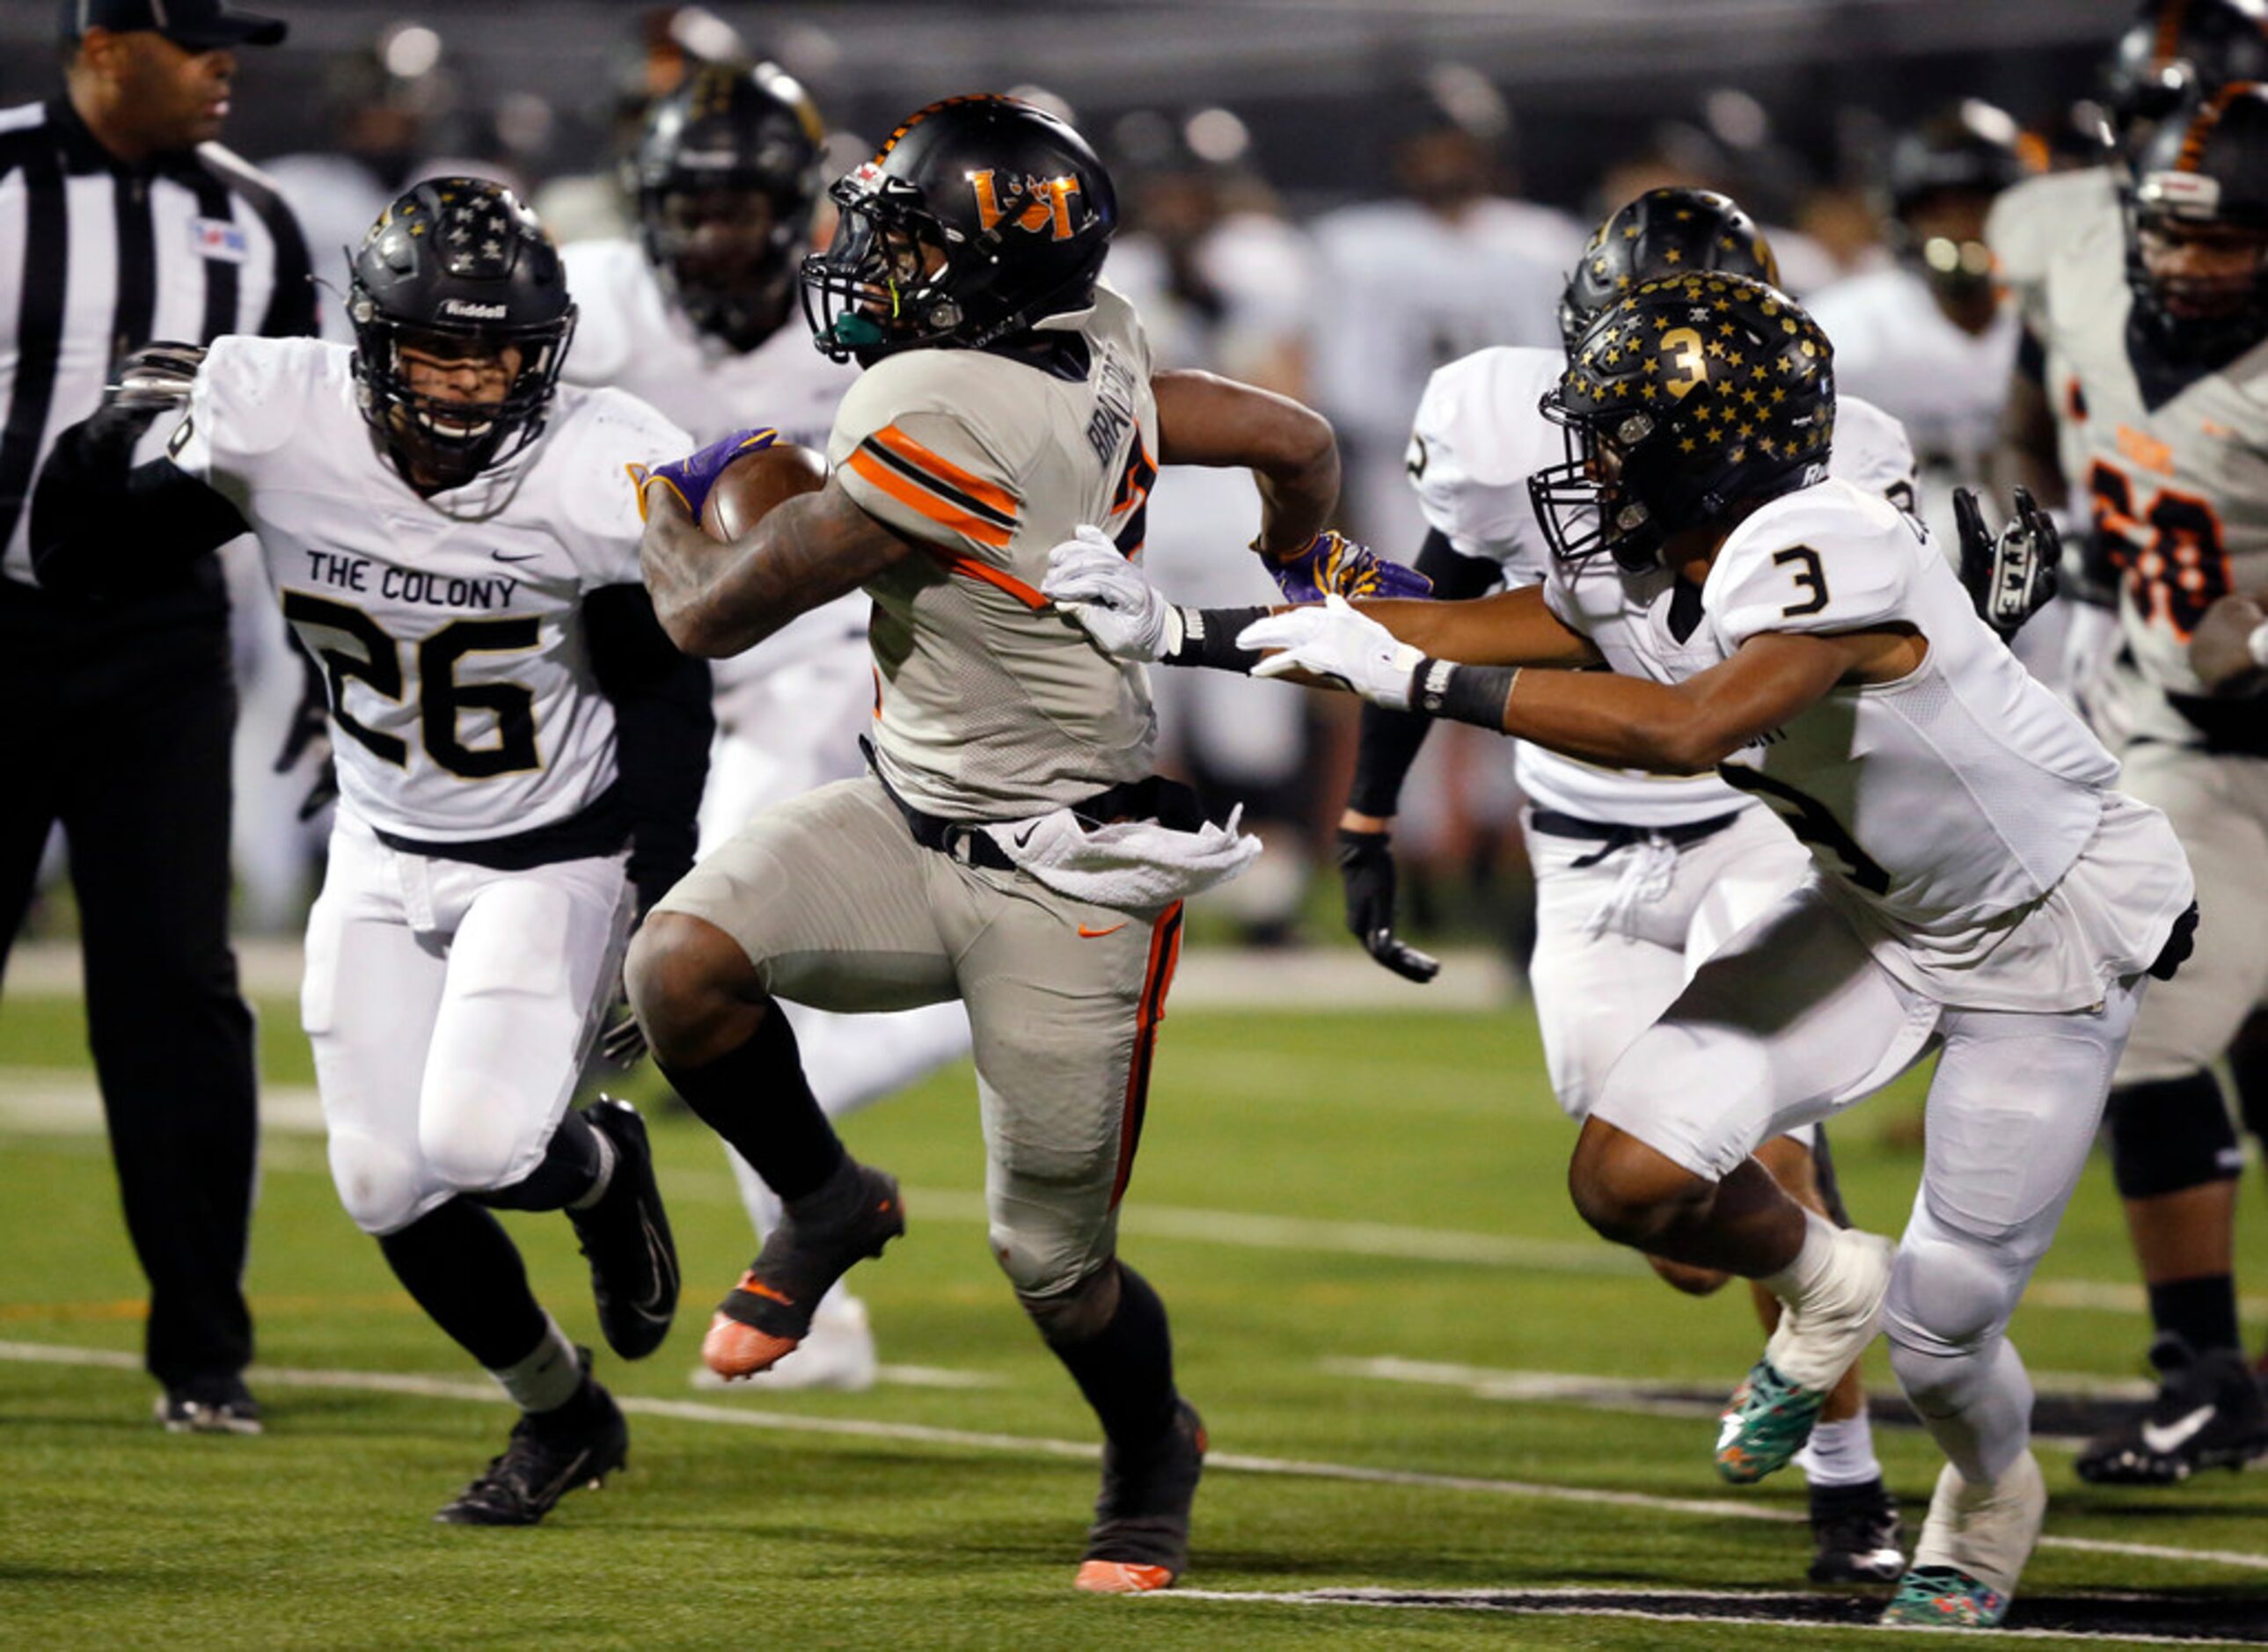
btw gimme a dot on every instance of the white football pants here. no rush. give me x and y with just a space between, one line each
450 1008
1792 1022
791 731
1616 941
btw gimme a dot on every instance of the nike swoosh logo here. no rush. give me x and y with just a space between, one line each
1024 836
2171 1438
1728 1432
665 1289
1086 934
527 557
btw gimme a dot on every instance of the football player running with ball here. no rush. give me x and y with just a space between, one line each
1978 886
1639 877
698 318
1011 846
452 538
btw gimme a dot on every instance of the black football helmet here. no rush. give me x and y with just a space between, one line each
725 176
1690 395
2201 183
1968 149
1662 232
980 218
2175 45
457 266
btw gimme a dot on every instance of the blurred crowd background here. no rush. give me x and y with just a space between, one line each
1329 197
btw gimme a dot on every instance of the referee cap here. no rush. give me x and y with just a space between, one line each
202 25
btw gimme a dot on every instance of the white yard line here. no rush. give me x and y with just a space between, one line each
1601 1602
55 1101
1027 1445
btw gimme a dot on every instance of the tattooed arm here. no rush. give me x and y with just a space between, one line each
717 600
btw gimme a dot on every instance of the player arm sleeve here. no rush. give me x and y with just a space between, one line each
102 525
1390 740
663 725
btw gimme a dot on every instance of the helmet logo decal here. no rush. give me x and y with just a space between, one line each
1682 346
1047 201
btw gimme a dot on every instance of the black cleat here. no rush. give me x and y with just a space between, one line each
551 1454
1140 1539
212 1404
2209 1413
626 1236
820 1238
1855 1535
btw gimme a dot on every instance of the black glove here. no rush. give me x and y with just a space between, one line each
1366 869
2012 576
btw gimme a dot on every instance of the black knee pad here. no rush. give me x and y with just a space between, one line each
2248 1065
2170 1135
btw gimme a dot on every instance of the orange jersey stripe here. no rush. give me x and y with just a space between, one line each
943 512
969 568
975 487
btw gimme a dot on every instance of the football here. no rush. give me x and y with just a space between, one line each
750 485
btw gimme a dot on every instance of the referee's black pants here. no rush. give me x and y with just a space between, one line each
117 722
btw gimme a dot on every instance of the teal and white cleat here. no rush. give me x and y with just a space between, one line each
1945 1597
1764 1426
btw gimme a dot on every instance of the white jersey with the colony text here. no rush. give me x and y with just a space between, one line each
630 336
1477 440
2176 464
450 629
1959 817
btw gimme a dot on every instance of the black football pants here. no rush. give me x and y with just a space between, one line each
117 722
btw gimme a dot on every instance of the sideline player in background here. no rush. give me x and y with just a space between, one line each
123 221
1977 887
1011 848
2157 312
451 538
1639 877
698 318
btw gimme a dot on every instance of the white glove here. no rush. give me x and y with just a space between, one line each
1334 642
1095 585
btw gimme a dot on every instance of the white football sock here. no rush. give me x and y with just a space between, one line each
1796 1283
1840 1453
549 1376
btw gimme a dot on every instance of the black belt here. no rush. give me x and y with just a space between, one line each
1168 802
1611 836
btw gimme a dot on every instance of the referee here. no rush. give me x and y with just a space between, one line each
120 223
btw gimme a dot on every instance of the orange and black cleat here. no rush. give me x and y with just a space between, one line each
819 1239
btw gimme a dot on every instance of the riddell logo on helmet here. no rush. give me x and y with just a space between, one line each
474 311
1046 201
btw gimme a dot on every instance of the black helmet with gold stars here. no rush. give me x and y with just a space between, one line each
1690 397
1662 232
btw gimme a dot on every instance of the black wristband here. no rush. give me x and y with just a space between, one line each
1209 638
1462 694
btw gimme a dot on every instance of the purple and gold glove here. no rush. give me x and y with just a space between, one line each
1335 565
692 477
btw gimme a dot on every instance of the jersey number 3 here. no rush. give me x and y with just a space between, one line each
375 660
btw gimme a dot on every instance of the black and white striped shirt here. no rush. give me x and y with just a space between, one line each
99 258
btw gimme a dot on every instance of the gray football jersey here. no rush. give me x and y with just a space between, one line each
2175 469
990 704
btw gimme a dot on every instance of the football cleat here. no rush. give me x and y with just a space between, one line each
1854 1535
220 1404
1945 1597
551 1454
1140 1540
626 1236
836 1355
767 1316
1771 1414
2209 1413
